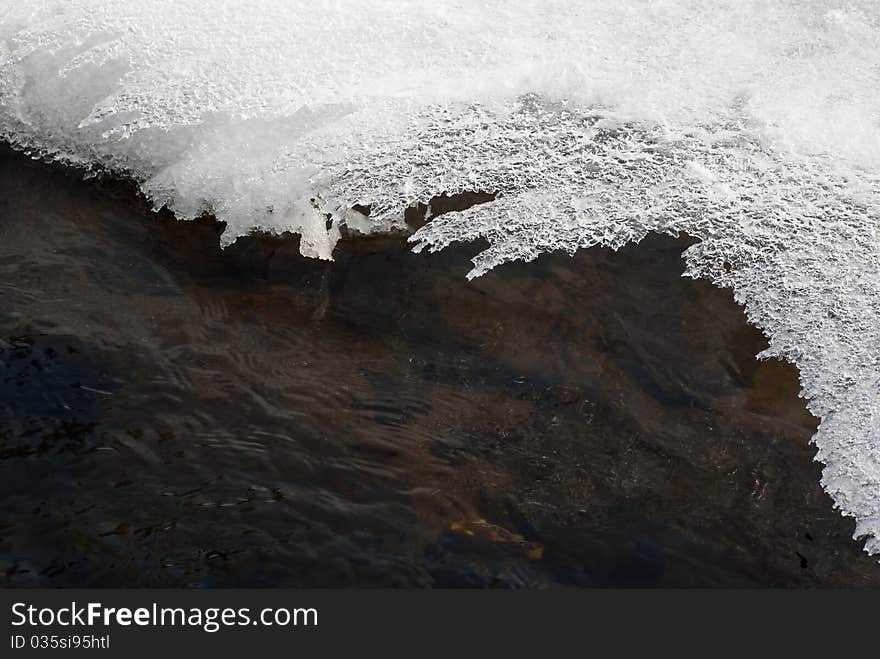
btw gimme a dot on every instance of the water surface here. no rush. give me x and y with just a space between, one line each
174 415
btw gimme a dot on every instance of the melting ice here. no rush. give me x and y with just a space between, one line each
750 124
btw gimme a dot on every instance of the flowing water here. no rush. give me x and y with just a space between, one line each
176 415
751 125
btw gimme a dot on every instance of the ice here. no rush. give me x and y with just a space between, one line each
752 125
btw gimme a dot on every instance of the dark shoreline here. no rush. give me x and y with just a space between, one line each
177 415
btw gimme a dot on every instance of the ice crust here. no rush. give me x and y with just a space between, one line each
752 125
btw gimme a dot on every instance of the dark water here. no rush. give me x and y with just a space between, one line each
171 415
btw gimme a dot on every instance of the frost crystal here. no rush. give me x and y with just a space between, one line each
749 124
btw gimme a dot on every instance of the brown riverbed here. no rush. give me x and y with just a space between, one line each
174 415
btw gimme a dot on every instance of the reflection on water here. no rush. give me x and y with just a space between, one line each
175 416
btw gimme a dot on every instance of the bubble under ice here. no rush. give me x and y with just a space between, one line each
752 125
